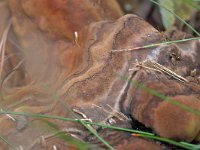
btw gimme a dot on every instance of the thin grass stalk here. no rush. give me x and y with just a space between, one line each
3 46
7 142
89 128
178 17
172 142
161 96
155 45
147 134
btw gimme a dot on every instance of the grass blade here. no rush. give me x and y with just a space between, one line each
169 141
161 96
96 134
178 17
139 133
156 44
7 142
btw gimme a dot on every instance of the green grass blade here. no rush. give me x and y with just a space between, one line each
169 141
59 118
141 133
196 6
156 44
57 132
179 18
96 134
161 96
55 97
171 42
7 142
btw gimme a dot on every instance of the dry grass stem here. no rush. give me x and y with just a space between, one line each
141 65
127 49
8 76
120 115
3 46
82 114
161 68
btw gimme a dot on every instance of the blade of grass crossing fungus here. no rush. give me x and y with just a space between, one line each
85 123
89 128
169 141
61 134
157 94
156 44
